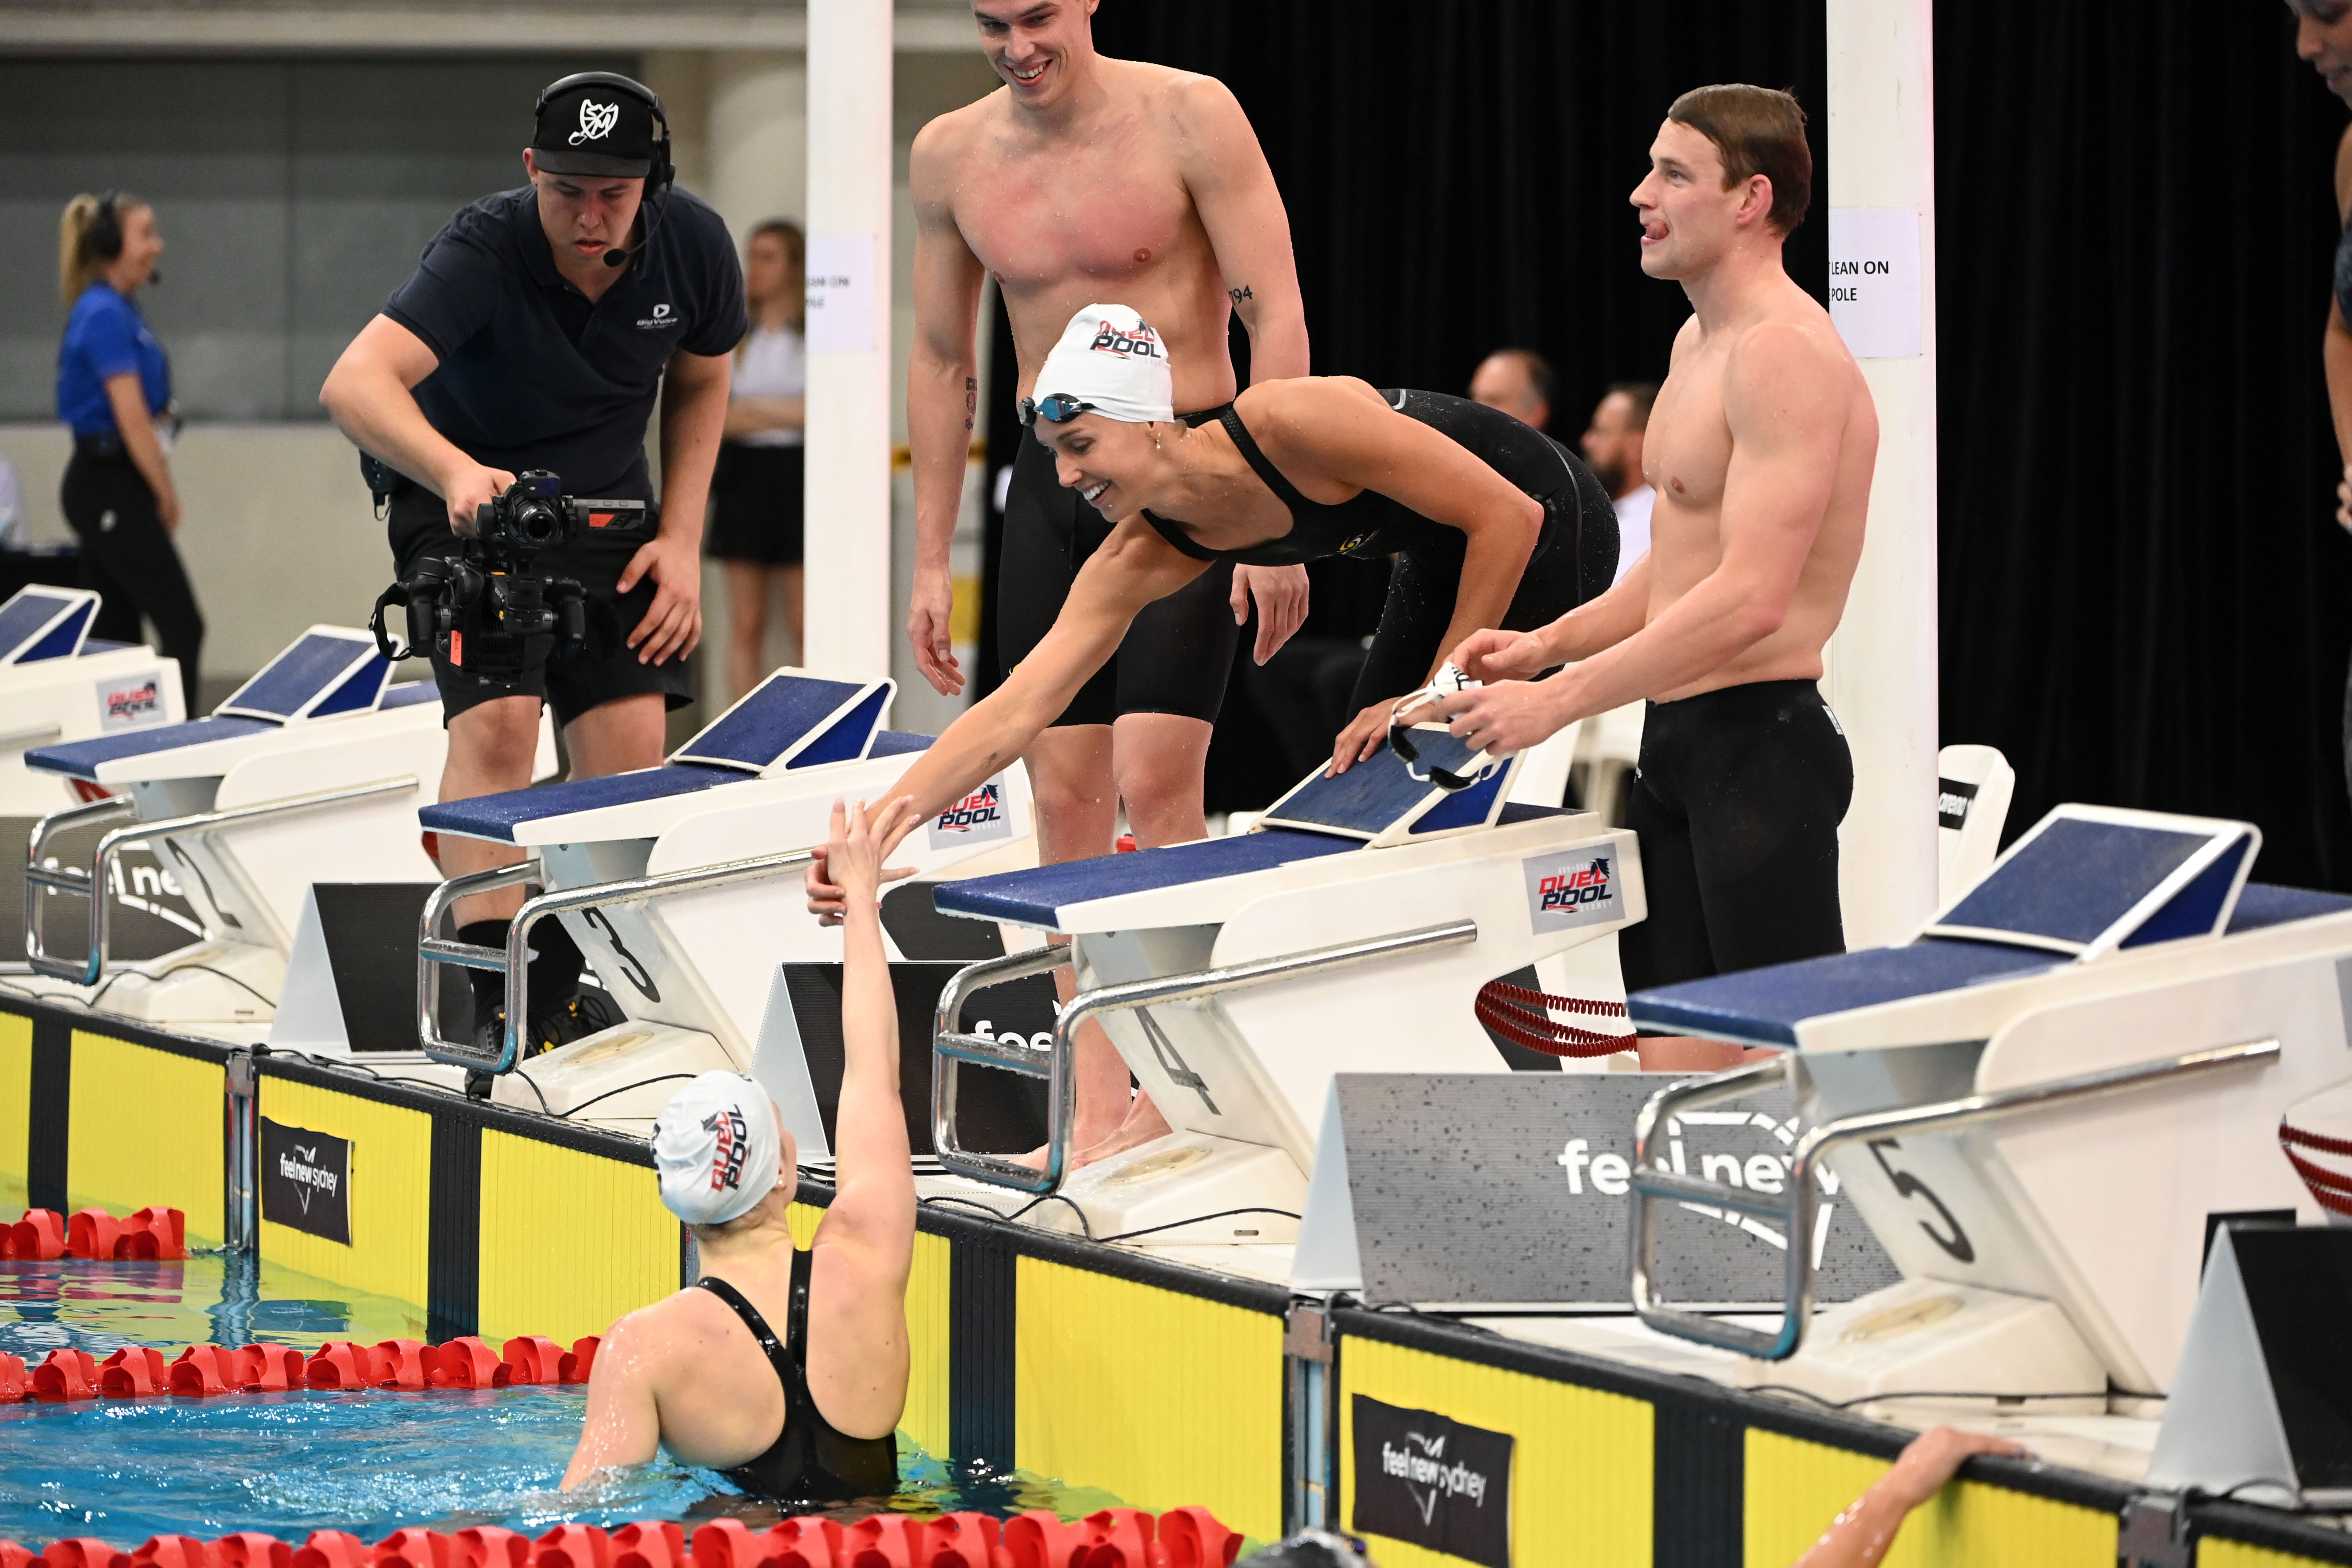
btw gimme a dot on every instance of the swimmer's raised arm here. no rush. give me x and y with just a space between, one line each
864 1245
1134 567
1862 1535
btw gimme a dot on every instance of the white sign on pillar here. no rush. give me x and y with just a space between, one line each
841 293
1874 281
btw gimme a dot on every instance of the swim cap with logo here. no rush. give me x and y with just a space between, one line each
1111 359
718 1148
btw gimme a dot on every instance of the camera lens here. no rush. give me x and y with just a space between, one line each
538 522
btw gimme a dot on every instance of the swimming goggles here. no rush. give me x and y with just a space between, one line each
1480 766
1053 408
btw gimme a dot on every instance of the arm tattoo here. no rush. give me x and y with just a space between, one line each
1241 294
971 400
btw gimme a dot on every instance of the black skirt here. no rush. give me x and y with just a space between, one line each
758 511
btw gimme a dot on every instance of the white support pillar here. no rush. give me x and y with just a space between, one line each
1882 677
849 202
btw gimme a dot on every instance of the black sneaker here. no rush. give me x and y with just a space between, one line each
586 1013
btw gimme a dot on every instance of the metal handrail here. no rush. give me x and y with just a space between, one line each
92 884
948 1048
515 958
1797 1205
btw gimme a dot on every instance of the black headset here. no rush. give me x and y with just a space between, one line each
659 177
102 240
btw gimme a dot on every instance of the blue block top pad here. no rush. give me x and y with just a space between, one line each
1031 897
497 816
765 725
26 614
296 676
1374 794
2074 879
1766 1005
80 759
63 639
407 696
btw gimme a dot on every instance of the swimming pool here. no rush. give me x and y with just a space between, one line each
367 1463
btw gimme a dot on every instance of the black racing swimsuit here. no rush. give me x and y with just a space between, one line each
1575 557
809 1461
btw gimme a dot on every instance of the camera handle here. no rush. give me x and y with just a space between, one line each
395 594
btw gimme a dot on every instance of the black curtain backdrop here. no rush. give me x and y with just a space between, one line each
2144 597
2144 592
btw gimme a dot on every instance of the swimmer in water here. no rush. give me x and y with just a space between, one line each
784 1370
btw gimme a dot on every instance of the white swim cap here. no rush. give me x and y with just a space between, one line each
1111 360
718 1148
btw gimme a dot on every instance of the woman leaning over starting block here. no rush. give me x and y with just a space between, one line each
1490 522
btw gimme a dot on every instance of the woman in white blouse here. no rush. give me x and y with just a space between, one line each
755 525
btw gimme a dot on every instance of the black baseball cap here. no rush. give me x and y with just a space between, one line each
595 129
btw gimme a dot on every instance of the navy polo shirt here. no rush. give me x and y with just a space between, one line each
532 373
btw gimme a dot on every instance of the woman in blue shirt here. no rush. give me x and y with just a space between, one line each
114 388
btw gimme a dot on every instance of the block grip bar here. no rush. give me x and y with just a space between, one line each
40 878
949 1049
1797 1206
514 959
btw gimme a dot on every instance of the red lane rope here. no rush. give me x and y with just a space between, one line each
1522 1017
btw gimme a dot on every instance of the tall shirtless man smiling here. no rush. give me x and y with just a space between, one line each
1085 178
1760 445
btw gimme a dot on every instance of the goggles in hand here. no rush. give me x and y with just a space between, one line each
1053 408
1447 681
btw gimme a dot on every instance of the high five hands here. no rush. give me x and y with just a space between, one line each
851 862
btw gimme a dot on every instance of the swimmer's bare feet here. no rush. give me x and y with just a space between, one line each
1143 1123
1683 1053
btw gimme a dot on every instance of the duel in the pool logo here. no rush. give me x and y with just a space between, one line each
1140 343
734 1136
976 819
1429 1481
306 1181
1572 889
131 704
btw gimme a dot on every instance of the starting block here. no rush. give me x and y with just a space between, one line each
59 685
2042 1105
682 884
1352 929
310 771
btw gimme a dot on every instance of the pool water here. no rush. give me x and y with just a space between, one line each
367 1463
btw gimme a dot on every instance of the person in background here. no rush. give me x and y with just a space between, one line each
2323 38
1518 382
1612 444
114 389
755 525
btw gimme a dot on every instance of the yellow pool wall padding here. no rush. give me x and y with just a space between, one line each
570 1240
16 1107
1795 1489
391 1192
1159 1398
1581 1469
121 1157
926 1416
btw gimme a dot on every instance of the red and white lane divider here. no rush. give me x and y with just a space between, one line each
139 1371
1114 1538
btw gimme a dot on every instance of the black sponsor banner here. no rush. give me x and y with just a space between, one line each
1952 803
306 1181
1431 1480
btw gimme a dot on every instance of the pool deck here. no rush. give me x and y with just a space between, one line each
1167 1375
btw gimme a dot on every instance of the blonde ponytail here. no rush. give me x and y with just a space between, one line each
74 268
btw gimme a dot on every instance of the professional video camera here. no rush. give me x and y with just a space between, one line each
484 610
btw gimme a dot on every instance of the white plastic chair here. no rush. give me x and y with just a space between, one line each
1611 745
1972 804
1543 778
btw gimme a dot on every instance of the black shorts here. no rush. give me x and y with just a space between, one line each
1735 805
418 525
757 498
1574 560
1174 659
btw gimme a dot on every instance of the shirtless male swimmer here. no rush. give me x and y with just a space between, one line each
1082 179
786 1370
1760 445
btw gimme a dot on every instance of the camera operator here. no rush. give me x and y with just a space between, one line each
536 333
